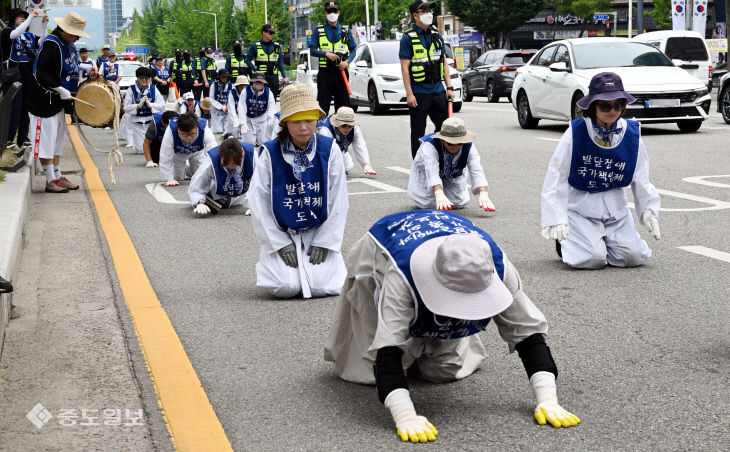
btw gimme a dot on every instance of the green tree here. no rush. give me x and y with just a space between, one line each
352 12
662 14
278 17
495 19
585 9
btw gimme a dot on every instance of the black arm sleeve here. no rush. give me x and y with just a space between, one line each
389 373
536 356
49 66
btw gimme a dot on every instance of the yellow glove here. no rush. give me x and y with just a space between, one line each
548 410
409 426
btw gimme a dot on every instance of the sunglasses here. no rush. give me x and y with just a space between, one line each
607 106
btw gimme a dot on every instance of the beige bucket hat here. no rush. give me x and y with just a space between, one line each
455 276
453 131
205 103
345 115
72 24
241 80
298 98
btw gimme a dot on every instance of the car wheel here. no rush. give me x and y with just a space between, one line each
466 94
725 105
524 116
373 103
456 107
689 125
576 112
491 92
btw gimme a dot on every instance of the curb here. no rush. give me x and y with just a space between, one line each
14 208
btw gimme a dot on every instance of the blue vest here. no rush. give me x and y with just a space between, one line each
187 109
343 141
181 147
87 63
221 95
231 190
162 74
300 206
69 63
256 105
159 127
594 168
399 235
457 169
21 46
110 71
236 95
100 60
144 111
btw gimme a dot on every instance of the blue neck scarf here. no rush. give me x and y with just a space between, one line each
301 161
233 180
604 134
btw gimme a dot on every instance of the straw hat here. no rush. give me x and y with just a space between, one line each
345 115
72 24
241 80
205 103
455 277
297 98
453 131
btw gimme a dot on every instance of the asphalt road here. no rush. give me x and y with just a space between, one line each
642 353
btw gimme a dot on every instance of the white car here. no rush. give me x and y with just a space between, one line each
549 86
129 76
687 49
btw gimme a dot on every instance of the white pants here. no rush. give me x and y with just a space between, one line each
125 129
256 134
184 165
48 135
349 164
137 131
591 242
218 121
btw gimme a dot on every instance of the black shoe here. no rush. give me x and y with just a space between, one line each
558 249
5 285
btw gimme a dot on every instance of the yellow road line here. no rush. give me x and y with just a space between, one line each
190 417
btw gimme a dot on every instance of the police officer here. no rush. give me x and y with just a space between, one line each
183 71
205 73
423 66
265 56
236 62
334 45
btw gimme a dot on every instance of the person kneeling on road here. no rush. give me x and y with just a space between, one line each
420 286
583 193
256 110
219 93
346 132
185 142
438 180
141 101
153 137
222 179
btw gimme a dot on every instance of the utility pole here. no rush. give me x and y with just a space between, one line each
631 14
639 16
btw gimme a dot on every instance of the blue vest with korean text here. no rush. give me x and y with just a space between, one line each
300 206
221 95
69 63
162 73
144 111
343 141
457 169
159 127
224 185
110 71
256 105
594 168
399 235
21 46
181 147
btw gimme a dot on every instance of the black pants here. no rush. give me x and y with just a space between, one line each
19 119
331 85
433 106
273 83
155 150
163 89
198 89
184 87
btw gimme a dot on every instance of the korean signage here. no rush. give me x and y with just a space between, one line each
716 45
465 39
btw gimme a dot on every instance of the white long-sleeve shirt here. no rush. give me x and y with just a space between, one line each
130 106
204 182
214 103
233 107
241 109
558 196
358 146
167 152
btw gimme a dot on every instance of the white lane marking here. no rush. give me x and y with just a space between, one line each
382 187
715 128
157 190
715 204
701 180
399 169
708 252
547 139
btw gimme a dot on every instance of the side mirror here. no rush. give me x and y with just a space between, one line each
559 67
362 64
302 67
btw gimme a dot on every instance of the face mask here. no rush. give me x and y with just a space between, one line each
202 54
237 46
332 17
427 18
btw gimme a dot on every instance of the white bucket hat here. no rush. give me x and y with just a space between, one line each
455 277
345 115
188 95
241 80
72 24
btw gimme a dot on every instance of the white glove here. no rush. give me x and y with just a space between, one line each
63 92
171 183
556 232
442 202
369 169
409 426
548 409
244 128
652 223
151 164
147 102
141 102
201 209
486 203
235 124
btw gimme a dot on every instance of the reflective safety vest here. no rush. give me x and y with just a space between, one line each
237 66
339 47
185 70
265 62
427 65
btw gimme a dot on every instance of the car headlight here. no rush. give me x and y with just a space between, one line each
389 78
701 92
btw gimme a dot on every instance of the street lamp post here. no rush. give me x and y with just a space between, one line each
215 25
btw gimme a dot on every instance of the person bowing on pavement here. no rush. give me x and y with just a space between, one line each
346 132
185 142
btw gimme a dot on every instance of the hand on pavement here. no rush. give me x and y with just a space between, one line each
556 232
486 203
289 255
317 255
171 183
442 202
548 410
652 223
201 209
151 164
369 169
409 426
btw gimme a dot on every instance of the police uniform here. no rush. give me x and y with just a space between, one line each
218 182
175 153
183 74
267 58
236 65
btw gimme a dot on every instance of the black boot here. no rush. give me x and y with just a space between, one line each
5 285
558 249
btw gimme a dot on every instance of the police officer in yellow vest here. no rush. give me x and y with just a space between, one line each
182 69
266 56
424 69
205 71
335 46
236 62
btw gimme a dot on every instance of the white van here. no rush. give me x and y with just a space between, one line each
686 49
307 69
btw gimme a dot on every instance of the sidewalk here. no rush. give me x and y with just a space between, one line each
66 355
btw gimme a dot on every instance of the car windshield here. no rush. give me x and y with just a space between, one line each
386 52
618 54
685 48
128 70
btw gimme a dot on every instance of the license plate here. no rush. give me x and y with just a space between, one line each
662 103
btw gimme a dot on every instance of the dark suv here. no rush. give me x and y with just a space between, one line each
492 74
